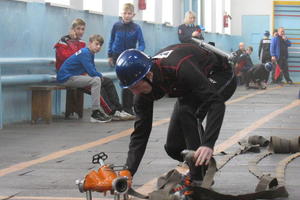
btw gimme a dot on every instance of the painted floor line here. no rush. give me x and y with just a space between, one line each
124 133
241 134
251 95
149 186
62 153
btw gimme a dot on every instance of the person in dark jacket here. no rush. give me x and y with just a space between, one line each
240 51
125 34
279 52
264 48
243 64
200 80
189 29
258 75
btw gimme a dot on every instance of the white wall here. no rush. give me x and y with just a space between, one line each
110 7
245 7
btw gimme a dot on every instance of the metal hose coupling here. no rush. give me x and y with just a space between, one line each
80 183
188 156
120 185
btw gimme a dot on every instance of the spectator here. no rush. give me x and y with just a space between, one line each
264 48
279 53
201 80
244 63
241 50
70 44
124 35
258 75
189 29
72 70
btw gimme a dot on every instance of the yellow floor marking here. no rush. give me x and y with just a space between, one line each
62 153
251 95
240 134
127 132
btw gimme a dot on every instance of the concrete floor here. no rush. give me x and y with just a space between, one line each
43 161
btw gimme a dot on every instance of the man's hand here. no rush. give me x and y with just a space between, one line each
196 34
110 62
284 37
203 155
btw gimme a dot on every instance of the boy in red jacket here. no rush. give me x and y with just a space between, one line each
71 43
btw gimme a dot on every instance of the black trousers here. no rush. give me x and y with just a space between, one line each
185 128
127 95
110 95
283 64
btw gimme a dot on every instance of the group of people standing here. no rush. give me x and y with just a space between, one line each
273 55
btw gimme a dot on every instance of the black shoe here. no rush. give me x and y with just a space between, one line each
98 116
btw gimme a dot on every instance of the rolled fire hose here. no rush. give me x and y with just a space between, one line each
268 187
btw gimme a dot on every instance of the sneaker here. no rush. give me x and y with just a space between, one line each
119 116
98 116
129 116
290 82
183 188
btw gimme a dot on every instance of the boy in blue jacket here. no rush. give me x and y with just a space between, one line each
82 62
125 34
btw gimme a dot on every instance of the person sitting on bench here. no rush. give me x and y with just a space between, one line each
82 62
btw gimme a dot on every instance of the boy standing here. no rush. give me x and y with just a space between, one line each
264 48
124 35
70 74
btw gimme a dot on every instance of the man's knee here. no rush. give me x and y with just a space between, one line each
96 81
174 153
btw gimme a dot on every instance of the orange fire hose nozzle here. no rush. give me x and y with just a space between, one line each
107 178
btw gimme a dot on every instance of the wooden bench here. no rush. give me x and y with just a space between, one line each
41 105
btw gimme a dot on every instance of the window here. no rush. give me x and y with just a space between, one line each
167 14
149 13
219 16
94 5
208 15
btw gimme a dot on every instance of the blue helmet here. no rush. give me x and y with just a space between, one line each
132 66
268 66
267 33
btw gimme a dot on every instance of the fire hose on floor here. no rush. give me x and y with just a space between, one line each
268 187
